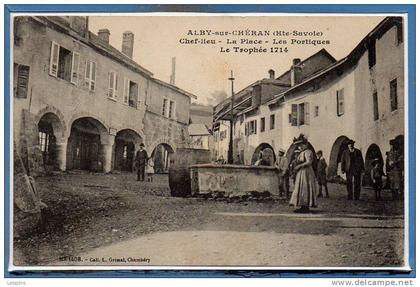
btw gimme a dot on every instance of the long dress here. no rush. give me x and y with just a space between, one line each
304 192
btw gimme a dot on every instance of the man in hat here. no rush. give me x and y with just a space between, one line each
282 165
376 174
353 166
140 162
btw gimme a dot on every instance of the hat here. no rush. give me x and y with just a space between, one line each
300 139
142 144
350 141
375 161
282 150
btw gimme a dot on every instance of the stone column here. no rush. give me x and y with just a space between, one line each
61 150
107 148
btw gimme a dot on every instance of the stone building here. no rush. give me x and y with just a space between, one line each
360 97
80 103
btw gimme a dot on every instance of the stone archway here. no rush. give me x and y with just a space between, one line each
372 153
51 141
161 157
268 150
88 146
337 149
127 142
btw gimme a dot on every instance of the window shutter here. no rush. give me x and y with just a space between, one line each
294 114
138 96
111 81
126 91
54 56
340 102
115 85
93 76
22 81
246 129
307 113
75 68
87 74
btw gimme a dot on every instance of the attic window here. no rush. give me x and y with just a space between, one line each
372 53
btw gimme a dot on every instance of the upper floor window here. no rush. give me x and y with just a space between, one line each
171 111
131 93
371 53
223 135
64 64
393 94
375 106
262 124
316 111
112 84
251 127
164 105
300 114
340 102
272 122
399 34
21 80
90 75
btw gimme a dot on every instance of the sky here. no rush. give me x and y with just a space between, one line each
203 70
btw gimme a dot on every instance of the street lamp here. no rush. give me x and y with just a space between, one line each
230 151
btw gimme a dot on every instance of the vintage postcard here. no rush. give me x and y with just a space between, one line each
272 141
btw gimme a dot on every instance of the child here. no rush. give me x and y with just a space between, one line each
321 174
376 175
150 170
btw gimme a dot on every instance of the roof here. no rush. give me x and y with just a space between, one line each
105 48
198 130
347 62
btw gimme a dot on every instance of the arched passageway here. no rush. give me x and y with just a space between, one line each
85 149
127 142
267 151
337 149
161 157
372 153
49 128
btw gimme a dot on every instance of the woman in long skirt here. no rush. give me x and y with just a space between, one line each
304 192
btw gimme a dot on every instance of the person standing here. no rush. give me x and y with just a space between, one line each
353 166
321 174
376 175
283 166
304 190
140 162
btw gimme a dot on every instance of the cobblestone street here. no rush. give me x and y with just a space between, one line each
95 216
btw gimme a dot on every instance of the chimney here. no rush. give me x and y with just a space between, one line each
128 43
103 34
271 73
295 72
172 81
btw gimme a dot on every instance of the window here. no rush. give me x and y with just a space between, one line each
272 122
164 105
372 53
21 80
64 64
112 84
316 111
399 33
90 75
222 135
251 128
262 125
131 93
393 94
375 106
171 109
300 114
340 102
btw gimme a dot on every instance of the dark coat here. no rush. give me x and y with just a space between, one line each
141 158
321 171
359 165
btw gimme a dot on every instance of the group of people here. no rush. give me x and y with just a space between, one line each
309 174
